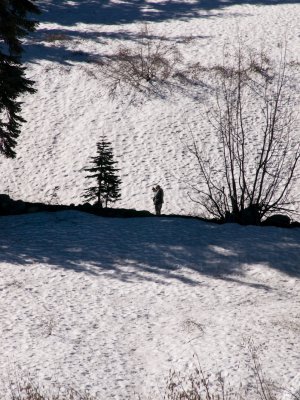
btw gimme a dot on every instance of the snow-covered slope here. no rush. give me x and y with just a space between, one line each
112 304
72 109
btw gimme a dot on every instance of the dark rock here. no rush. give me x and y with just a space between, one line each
33 209
250 215
18 207
9 206
85 206
4 198
230 218
295 224
279 220
5 204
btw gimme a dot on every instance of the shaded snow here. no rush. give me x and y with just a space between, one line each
113 304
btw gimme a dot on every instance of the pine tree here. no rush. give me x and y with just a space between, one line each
14 25
107 184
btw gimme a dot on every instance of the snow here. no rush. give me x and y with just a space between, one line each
111 305
72 109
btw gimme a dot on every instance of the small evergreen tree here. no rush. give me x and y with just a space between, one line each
107 184
14 25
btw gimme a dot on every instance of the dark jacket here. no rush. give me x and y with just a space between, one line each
159 197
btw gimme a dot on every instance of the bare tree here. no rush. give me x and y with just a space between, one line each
255 166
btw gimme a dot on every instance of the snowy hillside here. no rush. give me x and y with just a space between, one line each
72 109
111 305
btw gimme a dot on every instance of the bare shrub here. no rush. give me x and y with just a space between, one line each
190 326
48 325
27 389
265 388
197 386
255 163
292 325
149 61
192 73
53 196
194 385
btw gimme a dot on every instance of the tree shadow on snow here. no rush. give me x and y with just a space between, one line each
67 14
58 54
156 249
110 12
55 44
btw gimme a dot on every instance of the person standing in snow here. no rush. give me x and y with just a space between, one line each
158 199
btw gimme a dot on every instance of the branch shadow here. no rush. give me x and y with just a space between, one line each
164 249
56 45
34 52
